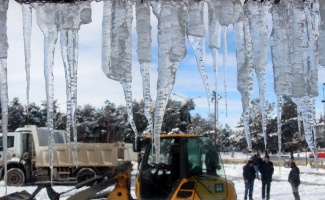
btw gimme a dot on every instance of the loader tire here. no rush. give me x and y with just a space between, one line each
15 177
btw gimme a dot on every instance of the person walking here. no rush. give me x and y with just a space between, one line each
266 170
257 161
294 179
249 177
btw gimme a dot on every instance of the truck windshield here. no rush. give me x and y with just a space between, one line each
10 143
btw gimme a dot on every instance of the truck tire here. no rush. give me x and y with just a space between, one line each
85 174
15 177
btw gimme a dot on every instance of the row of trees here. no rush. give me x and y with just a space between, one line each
109 123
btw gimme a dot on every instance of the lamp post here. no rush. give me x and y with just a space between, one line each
216 100
187 99
323 101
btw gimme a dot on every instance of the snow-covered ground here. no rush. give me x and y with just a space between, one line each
312 184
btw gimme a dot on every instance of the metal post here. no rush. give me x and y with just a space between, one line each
323 101
214 95
108 139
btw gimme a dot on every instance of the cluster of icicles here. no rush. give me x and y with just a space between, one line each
297 45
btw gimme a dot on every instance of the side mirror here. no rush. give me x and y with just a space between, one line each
137 144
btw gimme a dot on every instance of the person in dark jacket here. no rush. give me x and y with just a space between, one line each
249 177
266 170
257 161
294 179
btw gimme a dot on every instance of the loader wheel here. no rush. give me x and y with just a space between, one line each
85 174
15 177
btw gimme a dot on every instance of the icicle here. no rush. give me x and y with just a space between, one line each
214 45
167 60
244 71
308 118
281 65
246 128
279 115
64 53
73 64
146 93
45 14
225 52
69 18
27 27
117 49
4 104
321 38
196 36
299 120
106 35
120 66
129 109
259 31
215 68
4 84
279 43
144 53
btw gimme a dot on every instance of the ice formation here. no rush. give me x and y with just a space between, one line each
171 50
280 54
257 14
117 49
52 19
214 44
196 36
321 38
144 53
69 19
27 29
3 79
296 45
245 69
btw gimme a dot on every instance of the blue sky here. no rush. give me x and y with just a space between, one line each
94 87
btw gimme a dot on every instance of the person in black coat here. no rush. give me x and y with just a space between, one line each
294 179
257 161
249 177
266 170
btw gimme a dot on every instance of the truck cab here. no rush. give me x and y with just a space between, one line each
190 167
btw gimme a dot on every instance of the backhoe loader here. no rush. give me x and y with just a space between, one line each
190 168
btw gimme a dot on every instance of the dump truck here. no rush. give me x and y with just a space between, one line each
28 157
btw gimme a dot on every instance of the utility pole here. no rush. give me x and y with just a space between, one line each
187 113
216 100
323 101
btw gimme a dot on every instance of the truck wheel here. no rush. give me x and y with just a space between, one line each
15 177
85 174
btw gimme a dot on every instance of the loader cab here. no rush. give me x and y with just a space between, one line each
182 158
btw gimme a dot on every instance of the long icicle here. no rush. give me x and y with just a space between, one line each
4 112
64 53
46 21
196 37
3 82
27 29
279 115
225 52
144 54
73 63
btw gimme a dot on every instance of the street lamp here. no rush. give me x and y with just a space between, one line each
187 99
323 101
216 100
